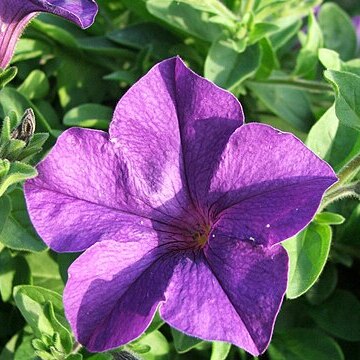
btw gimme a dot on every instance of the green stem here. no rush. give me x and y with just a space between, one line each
249 5
347 172
345 191
76 348
312 86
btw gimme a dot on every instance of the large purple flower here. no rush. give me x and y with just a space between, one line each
15 14
182 208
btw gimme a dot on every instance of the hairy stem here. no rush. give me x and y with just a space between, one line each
345 191
312 86
348 172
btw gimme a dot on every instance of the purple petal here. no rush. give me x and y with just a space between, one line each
113 292
82 194
268 185
15 15
172 127
231 294
356 22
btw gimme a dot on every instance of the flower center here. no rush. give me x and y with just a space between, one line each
201 236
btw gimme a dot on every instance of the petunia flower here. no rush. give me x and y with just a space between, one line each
180 208
16 14
356 23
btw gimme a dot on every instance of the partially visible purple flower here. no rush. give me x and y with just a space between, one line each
182 208
356 22
15 15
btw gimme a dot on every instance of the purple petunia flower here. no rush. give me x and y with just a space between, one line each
15 15
356 23
182 208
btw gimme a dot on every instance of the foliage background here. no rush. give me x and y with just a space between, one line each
272 54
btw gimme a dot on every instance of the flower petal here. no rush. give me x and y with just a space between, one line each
232 293
14 16
268 185
83 194
80 12
172 127
356 22
113 292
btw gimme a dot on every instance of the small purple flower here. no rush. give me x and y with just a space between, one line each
356 22
15 15
182 208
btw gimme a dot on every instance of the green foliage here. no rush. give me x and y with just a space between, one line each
301 344
43 311
220 351
89 115
7 75
347 87
183 342
338 31
308 252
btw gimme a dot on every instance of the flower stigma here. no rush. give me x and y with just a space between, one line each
201 236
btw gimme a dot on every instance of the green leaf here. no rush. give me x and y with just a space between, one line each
156 323
86 87
220 350
339 315
102 356
6 128
210 6
127 76
7 75
261 30
89 115
18 233
12 100
306 62
304 344
45 271
329 218
308 252
229 68
185 17
292 105
4 168
333 141
103 46
35 86
5 208
8 351
25 349
62 340
55 33
14 270
322 135
27 49
183 342
338 30
347 103
158 344
31 301
269 60
33 147
17 172
144 35
323 288
330 59
79 357
14 149
288 29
